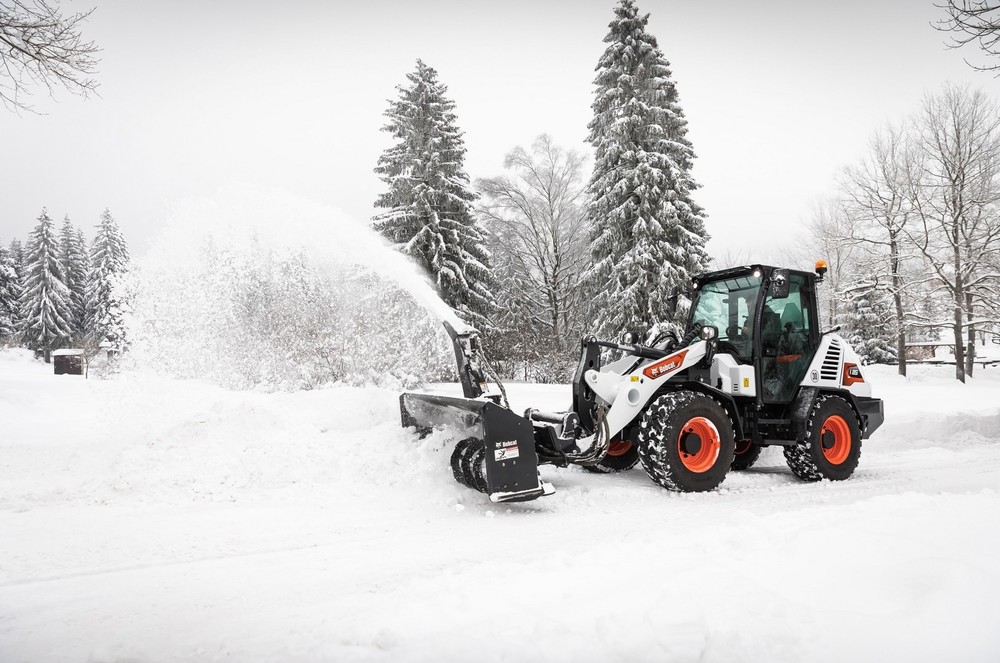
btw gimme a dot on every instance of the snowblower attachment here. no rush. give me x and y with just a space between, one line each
497 453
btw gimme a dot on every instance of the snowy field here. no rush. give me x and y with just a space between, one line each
143 519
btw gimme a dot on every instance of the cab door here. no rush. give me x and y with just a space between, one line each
787 340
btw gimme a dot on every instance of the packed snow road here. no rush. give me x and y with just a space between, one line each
155 520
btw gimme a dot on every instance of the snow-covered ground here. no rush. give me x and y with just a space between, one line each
144 519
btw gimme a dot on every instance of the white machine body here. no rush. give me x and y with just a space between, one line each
837 366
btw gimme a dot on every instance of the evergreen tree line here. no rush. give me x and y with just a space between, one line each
914 233
56 292
540 255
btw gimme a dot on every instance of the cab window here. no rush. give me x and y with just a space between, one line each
730 305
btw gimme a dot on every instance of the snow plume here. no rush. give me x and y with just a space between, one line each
268 291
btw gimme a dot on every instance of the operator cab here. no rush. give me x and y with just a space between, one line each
766 318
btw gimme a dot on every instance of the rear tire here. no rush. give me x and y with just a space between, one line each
623 455
686 442
746 455
832 446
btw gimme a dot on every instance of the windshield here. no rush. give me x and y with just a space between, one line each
729 306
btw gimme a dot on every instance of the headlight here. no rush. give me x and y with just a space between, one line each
708 333
629 338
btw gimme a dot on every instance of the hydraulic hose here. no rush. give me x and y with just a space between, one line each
598 449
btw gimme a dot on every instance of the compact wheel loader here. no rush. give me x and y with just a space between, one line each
752 370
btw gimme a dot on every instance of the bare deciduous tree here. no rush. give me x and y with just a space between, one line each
732 257
974 20
832 230
955 196
535 216
39 45
875 198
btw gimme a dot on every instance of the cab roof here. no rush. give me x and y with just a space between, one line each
731 272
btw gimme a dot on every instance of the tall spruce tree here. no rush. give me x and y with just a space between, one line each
648 235
9 295
45 300
109 262
429 203
73 251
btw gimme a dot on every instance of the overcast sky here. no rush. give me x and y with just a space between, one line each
779 95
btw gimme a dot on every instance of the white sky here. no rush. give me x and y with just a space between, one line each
195 95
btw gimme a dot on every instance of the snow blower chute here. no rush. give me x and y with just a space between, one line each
751 370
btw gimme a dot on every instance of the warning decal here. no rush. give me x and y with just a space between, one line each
506 450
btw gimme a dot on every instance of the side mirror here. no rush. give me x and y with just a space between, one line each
780 284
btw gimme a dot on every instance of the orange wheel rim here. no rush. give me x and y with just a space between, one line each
699 444
835 437
619 447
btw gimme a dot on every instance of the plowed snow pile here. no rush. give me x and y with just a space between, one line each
150 519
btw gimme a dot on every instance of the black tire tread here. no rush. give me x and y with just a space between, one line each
745 460
653 433
804 457
615 464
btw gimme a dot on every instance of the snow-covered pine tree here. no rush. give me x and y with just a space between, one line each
109 262
429 204
45 301
870 326
9 295
17 254
17 260
648 234
73 252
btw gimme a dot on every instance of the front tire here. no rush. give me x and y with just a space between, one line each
686 442
832 446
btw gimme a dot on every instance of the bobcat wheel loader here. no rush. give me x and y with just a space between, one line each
752 370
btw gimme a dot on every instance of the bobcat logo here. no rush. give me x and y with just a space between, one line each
665 365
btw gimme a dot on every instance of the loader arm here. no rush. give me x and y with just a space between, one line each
626 396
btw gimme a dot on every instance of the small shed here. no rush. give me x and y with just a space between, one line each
69 361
